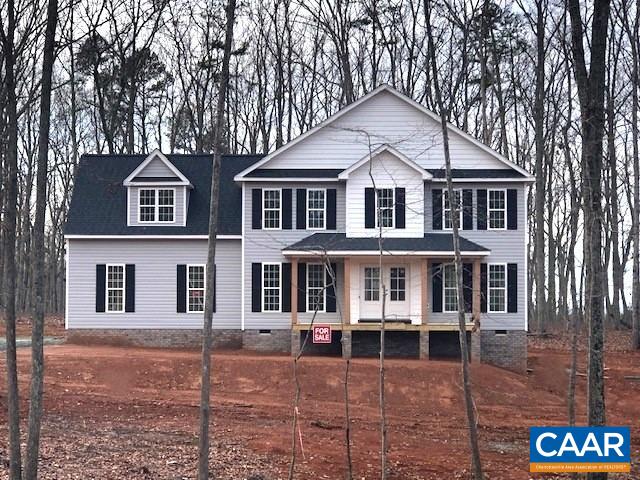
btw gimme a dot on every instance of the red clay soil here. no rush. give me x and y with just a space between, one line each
130 413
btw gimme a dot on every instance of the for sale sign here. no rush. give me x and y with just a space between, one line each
321 334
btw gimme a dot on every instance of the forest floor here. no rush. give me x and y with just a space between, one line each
132 413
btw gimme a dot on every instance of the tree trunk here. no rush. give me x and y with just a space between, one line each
9 247
464 348
37 334
539 171
591 88
205 393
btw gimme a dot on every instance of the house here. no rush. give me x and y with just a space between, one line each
292 220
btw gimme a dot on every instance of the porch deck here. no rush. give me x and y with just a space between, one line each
391 326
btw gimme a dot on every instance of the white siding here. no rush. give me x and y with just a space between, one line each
156 168
180 206
388 172
386 119
155 283
266 246
507 246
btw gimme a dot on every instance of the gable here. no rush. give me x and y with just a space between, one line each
156 169
384 117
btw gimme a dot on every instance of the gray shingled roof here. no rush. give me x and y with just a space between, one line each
99 201
430 242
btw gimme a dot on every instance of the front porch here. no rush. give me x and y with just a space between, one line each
405 279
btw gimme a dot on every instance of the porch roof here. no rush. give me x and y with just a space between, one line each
338 244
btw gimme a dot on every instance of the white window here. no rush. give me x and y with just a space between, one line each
316 209
398 284
449 290
195 288
115 288
372 284
497 209
385 210
446 209
271 287
156 205
316 291
497 286
271 209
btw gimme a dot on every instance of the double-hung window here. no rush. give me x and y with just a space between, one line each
497 287
316 291
115 288
195 288
156 205
372 284
316 209
398 284
449 290
385 210
271 281
447 210
271 209
497 209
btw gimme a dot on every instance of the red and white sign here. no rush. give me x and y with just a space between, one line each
321 334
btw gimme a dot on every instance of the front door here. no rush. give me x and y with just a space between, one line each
396 280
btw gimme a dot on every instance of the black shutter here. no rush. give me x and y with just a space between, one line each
467 283
400 208
101 280
287 193
256 287
512 209
286 287
482 209
256 208
436 208
331 209
436 290
302 287
181 288
331 289
467 209
369 208
215 288
301 209
483 287
512 287
130 288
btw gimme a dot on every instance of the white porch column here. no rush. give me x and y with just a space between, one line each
346 309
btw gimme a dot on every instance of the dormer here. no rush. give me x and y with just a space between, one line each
157 193
398 191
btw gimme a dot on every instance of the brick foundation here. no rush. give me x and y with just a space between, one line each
267 340
171 338
507 350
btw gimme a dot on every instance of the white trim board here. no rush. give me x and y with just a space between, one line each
153 155
344 175
150 237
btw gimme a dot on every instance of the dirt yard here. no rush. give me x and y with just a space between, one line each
126 413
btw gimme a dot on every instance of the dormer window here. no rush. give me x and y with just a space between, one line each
156 205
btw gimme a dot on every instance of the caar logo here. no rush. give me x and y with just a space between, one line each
579 449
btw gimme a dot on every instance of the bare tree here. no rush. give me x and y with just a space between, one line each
464 348
7 36
591 89
205 392
37 335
